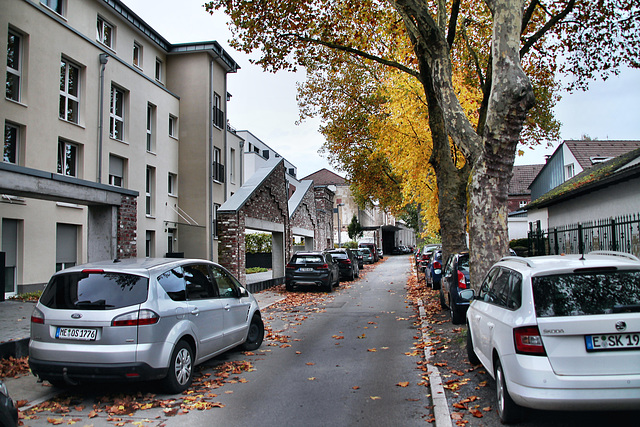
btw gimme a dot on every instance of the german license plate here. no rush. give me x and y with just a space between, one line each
306 269
605 342
76 334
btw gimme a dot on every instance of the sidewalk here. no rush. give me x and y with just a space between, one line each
15 318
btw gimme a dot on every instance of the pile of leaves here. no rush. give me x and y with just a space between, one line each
12 367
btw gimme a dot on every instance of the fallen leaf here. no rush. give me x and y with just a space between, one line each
310 363
375 397
355 387
373 350
403 384
476 413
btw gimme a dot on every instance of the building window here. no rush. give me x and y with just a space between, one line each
218 114
570 171
137 55
171 233
158 70
116 114
11 143
66 246
105 33
151 123
232 165
58 6
173 126
14 66
69 91
172 184
150 190
523 203
116 171
149 244
215 221
67 158
218 167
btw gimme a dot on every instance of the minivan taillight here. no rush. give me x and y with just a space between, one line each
37 317
462 283
437 265
527 340
136 318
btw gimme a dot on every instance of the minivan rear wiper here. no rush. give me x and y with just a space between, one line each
98 303
631 308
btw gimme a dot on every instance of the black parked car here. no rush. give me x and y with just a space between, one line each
433 273
347 263
312 269
8 410
455 291
357 253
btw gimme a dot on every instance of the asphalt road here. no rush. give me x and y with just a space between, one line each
343 366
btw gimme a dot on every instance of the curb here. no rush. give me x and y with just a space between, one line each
438 397
15 348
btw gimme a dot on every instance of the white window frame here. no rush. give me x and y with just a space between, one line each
173 126
116 175
66 149
116 119
158 70
151 124
172 184
522 203
16 73
232 166
57 6
15 141
137 57
101 24
66 97
150 190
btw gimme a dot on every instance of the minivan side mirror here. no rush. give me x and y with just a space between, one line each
242 292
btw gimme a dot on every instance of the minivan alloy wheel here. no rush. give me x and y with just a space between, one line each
180 372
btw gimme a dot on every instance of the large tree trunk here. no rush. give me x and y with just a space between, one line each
510 100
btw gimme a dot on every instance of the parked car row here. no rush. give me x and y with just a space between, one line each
324 269
139 319
555 332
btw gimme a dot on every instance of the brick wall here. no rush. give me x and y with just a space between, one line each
324 208
127 226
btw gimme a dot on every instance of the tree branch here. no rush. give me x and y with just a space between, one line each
356 52
542 31
453 20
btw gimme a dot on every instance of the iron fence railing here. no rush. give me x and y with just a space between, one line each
620 234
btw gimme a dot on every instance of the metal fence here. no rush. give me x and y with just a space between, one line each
620 234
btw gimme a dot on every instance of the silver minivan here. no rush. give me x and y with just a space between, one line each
139 319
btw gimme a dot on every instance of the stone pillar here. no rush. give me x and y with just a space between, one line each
127 228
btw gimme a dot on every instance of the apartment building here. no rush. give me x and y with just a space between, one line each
97 98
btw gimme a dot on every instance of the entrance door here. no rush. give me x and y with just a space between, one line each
10 248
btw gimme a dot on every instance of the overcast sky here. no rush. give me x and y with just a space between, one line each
265 103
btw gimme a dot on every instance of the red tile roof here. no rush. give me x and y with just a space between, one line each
523 176
325 177
586 151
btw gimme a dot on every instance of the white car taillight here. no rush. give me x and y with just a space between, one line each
136 318
527 340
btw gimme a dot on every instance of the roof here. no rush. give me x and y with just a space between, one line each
621 168
523 176
325 177
557 264
586 152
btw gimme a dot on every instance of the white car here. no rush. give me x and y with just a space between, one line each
559 332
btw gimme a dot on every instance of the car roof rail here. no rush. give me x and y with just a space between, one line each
518 259
615 253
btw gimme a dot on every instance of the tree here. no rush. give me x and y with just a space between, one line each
354 229
503 40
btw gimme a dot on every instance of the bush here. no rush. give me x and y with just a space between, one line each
256 270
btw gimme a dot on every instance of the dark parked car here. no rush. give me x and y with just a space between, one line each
433 273
454 289
359 256
373 248
425 255
347 263
8 410
367 256
313 269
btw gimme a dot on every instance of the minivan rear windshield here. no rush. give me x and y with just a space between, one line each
586 294
94 291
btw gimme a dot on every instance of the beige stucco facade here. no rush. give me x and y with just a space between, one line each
164 151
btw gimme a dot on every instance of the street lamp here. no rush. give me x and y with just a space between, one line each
339 228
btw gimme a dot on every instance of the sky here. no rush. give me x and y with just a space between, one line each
265 103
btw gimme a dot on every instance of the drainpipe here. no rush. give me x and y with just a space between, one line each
210 184
104 58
